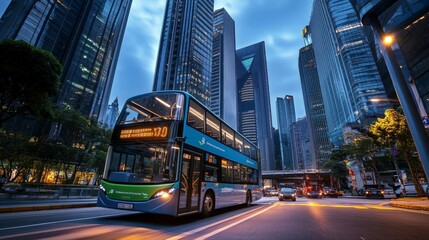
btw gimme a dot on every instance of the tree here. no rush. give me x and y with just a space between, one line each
392 130
29 76
15 161
337 165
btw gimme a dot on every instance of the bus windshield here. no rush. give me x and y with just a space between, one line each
143 163
167 106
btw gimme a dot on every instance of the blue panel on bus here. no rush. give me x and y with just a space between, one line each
200 140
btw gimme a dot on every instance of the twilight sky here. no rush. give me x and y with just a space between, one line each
277 22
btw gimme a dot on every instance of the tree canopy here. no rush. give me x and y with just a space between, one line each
392 131
29 76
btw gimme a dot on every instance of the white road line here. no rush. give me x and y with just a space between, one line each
185 234
233 224
63 221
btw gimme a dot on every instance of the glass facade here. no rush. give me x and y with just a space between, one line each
285 117
301 146
409 21
185 52
254 112
223 85
84 35
314 108
347 71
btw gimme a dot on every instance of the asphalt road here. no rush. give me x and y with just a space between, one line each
267 219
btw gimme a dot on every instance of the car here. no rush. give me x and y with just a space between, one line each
314 192
274 192
329 192
266 192
379 191
299 192
409 189
287 193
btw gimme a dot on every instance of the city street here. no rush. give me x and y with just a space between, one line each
328 218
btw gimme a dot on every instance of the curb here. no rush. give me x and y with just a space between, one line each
413 207
47 207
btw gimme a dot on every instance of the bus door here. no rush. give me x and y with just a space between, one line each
190 182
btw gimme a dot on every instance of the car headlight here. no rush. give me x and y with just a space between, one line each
166 193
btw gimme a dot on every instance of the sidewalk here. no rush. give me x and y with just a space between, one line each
415 203
18 205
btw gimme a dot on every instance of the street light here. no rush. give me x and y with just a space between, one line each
394 103
400 84
384 100
388 40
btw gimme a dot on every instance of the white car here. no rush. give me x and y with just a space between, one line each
410 190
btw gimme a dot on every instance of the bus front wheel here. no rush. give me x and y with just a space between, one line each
208 205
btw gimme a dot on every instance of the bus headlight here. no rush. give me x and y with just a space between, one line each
166 193
102 188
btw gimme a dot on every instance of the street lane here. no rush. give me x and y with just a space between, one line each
267 219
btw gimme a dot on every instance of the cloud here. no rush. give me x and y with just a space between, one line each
145 23
276 22
233 7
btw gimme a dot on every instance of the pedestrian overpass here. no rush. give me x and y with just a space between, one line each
297 178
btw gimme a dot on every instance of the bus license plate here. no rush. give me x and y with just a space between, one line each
125 206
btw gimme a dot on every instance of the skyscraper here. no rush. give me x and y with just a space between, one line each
409 22
313 101
347 71
185 51
112 114
254 112
223 83
285 117
85 36
301 146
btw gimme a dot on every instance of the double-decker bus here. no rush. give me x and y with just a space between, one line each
171 155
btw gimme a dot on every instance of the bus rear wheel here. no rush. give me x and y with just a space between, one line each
208 205
248 199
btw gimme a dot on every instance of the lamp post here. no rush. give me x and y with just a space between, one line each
421 138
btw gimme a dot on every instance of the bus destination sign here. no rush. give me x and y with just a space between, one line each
144 132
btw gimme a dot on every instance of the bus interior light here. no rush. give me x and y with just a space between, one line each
162 102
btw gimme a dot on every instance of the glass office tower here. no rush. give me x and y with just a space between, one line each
285 117
347 71
85 36
408 20
314 108
223 83
254 111
185 50
301 146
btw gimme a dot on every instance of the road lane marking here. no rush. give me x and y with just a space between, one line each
235 223
185 234
63 221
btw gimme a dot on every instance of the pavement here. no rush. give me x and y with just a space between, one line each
414 203
17 205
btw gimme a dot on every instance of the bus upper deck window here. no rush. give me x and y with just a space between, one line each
196 116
